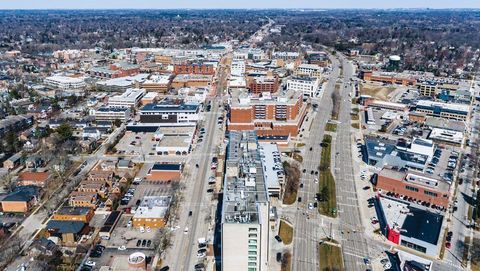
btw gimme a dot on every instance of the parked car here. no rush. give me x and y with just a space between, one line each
278 238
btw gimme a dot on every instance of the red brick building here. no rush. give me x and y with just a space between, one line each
268 116
414 186
194 68
257 85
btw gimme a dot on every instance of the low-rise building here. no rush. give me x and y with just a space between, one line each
13 161
112 113
130 98
174 140
310 70
158 83
194 68
414 186
273 168
69 232
152 212
72 213
39 179
411 227
389 78
443 110
169 111
191 80
21 200
163 172
308 86
65 83
115 70
263 84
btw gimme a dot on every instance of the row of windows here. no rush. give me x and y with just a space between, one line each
411 188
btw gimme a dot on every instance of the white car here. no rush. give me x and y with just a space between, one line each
310 206
315 180
142 230
90 263
186 230
122 248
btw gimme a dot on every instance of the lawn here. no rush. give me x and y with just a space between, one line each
356 125
330 257
326 186
331 127
354 116
286 261
285 232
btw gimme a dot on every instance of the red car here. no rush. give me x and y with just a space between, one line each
448 244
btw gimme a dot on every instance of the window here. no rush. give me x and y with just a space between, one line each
432 194
411 188
252 253
252 235
252 246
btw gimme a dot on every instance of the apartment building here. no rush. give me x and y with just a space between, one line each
237 68
194 68
262 84
310 70
309 86
270 115
245 213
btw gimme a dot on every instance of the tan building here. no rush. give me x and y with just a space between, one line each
83 199
39 179
191 81
152 212
71 213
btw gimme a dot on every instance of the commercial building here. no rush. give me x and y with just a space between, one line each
164 172
158 83
249 53
386 105
427 88
129 99
150 97
152 212
122 83
389 78
446 136
270 115
245 207
308 86
414 155
194 68
174 140
414 186
237 68
310 70
65 83
169 111
191 80
70 213
262 84
112 113
411 227
443 110
115 70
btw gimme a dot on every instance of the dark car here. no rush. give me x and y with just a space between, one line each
366 187
311 148
149 242
190 213
144 243
210 190
304 170
165 268
279 256
299 199
199 266
278 238
139 242
301 185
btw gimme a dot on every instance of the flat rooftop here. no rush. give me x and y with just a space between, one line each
170 105
412 222
153 207
242 98
70 210
244 191
272 164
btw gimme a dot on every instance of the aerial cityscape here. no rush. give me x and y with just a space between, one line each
239 137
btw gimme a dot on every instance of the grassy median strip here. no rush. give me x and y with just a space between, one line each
331 127
475 255
328 202
330 257
292 174
285 232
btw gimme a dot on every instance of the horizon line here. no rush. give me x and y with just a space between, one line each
237 8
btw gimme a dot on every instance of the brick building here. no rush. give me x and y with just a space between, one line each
194 68
258 85
279 115
413 186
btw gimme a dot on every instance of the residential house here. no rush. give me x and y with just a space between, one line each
43 246
68 231
83 199
13 161
39 179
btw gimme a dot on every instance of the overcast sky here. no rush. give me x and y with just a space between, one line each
168 4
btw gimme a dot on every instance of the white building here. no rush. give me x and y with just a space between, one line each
130 98
174 140
249 53
273 168
65 83
309 86
237 68
311 70
111 113
245 213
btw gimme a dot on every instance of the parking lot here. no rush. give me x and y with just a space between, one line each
130 237
136 144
